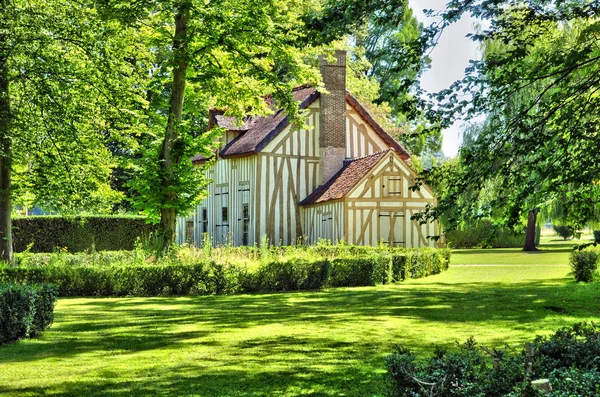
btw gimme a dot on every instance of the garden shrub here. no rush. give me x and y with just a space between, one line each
565 231
569 359
483 233
417 263
597 236
77 234
353 272
570 347
25 310
584 264
293 275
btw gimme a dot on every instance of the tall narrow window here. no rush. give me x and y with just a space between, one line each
245 223
204 220
224 216
189 232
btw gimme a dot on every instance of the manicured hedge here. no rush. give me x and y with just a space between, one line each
419 263
77 234
25 310
208 277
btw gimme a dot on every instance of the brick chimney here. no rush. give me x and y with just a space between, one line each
332 141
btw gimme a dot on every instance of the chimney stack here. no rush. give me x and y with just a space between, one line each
332 140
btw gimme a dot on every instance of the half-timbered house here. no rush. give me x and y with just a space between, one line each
342 177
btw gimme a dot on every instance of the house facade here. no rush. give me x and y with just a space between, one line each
343 177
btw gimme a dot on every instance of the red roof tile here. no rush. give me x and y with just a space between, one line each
345 179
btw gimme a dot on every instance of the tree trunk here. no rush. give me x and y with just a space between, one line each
6 250
530 234
169 156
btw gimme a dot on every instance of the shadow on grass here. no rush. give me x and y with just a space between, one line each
198 381
104 327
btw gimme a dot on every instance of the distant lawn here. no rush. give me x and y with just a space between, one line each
316 343
553 251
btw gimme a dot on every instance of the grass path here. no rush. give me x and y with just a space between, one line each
316 343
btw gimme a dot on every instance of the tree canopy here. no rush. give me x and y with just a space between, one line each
538 87
69 83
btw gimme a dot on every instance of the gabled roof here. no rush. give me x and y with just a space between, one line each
345 179
256 133
261 130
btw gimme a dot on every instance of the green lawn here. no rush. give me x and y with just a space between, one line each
553 251
316 343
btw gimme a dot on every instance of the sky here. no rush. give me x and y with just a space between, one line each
448 61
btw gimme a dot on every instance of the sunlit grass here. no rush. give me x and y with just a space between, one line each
553 251
314 343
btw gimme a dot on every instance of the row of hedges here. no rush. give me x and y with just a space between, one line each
77 234
568 359
25 310
213 278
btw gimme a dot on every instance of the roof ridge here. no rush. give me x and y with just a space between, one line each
390 149
302 87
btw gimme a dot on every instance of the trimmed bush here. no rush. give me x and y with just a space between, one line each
292 275
25 310
353 272
584 264
597 236
419 263
77 234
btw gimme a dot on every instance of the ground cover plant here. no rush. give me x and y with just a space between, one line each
328 342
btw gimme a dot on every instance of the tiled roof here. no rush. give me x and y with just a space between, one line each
261 130
256 133
345 179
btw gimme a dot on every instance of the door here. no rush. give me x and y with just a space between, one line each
222 209
391 228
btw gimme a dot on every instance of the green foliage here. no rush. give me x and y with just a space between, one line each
584 264
483 233
568 358
77 234
383 72
353 272
293 275
25 310
565 231
536 85
570 347
419 263
466 372
228 270
77 87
